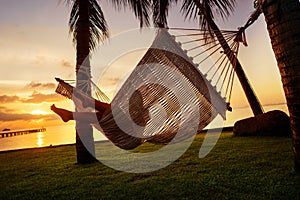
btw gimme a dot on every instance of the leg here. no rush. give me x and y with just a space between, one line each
67 115
91 102
101 106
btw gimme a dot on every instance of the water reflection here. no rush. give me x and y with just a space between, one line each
40 139
58 135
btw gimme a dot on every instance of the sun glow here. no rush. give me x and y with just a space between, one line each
38 112
40 139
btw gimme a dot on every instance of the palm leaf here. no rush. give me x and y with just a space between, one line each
160 11
206 10
141 9
97 23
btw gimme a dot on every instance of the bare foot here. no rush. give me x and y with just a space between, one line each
65 115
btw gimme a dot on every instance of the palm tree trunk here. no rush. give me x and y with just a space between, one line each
283 22
251 97
249 92
84 133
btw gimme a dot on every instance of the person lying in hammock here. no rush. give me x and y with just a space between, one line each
111 130
67 115
88 117
139 113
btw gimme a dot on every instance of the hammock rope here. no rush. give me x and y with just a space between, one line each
202 51
199 63
149 95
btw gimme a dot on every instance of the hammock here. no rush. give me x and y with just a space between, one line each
150 85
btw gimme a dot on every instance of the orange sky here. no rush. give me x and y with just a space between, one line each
35 48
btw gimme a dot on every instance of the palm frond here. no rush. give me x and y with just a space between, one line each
206 10
141 9
97 24
160 11
190 9
119 4
223 7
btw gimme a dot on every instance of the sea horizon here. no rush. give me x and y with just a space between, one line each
65 134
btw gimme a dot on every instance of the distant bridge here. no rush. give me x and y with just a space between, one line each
20 132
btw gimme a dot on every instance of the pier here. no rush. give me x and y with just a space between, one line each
4 134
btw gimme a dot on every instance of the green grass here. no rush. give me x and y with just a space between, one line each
237 168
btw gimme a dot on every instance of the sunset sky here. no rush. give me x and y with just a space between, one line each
35 47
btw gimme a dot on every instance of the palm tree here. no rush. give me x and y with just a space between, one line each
283 20
88 26
143 9
206 9
193 9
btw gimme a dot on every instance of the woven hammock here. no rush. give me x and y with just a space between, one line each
152 96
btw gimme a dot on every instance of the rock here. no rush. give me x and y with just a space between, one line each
273 123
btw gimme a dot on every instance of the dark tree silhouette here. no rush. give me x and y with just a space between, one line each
88 26
283 22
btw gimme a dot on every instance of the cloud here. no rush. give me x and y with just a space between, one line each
37 85
66 64
11 115
35 97
5 109
40 98
9 99
8 117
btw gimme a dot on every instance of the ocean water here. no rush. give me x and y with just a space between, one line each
55 135
58 135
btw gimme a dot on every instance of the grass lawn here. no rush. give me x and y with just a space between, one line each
237 168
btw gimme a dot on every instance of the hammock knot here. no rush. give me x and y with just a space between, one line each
258 4
228 107
241 36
